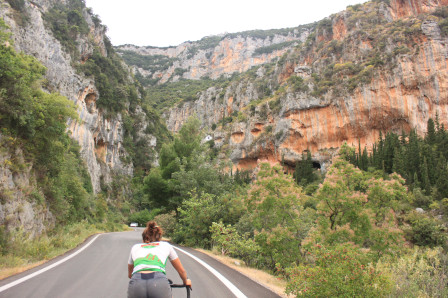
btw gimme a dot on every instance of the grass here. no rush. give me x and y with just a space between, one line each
7 272
23 253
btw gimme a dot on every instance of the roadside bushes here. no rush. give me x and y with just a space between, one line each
337 271
423 272
232 243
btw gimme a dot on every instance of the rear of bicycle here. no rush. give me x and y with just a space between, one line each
180 286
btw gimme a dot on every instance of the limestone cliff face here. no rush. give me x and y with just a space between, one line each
100 138
378 67
216 55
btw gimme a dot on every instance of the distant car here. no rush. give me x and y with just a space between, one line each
133 224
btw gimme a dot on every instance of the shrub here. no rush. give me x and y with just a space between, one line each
421 273
338 271
66 23
231 243
426 230
18 5
167 221
297 84
273 47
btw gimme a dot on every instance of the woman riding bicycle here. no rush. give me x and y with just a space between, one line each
146 265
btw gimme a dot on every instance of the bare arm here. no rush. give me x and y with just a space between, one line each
182 273
130 269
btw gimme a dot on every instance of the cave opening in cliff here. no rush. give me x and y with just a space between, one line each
90 101
316 165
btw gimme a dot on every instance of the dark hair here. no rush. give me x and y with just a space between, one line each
152 232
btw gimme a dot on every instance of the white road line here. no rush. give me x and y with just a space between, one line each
25 278
224 280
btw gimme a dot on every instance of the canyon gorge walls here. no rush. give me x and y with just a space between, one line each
373 68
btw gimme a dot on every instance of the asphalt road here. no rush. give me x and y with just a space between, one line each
100 270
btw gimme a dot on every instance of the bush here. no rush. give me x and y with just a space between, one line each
18 5
422 273
167 221
273 47
426 231
231 243
338 271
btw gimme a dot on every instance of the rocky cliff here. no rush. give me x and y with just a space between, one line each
380 66
212 56
100 138
99 134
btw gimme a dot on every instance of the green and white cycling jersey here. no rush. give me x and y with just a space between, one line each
151 256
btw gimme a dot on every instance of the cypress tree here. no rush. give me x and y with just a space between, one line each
380 151
364 160
426 185
358 156
399 164
431 132
442 177
413 154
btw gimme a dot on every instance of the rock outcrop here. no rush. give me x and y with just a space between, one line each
216 56
346 95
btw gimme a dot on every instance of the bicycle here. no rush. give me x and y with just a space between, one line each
180 286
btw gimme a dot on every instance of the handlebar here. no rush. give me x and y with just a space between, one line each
180 286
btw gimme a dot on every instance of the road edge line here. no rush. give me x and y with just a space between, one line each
25 278
218 275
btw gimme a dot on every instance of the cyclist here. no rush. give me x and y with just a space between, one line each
146 265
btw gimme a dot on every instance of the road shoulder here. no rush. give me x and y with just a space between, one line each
270 282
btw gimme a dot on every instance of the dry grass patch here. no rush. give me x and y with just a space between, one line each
7 272
29 253
273 283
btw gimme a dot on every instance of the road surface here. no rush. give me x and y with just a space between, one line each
99 269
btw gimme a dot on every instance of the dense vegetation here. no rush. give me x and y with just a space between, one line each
421 161
169 94
274 47
152 63
353 232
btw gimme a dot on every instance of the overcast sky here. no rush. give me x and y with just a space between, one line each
164 23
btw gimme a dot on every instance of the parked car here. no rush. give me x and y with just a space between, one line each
133 224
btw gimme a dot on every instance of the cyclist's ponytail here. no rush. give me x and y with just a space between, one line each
152 232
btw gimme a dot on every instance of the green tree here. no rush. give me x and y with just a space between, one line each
431 132
185 165
274 204
157 190
357 207
199 212
442 177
